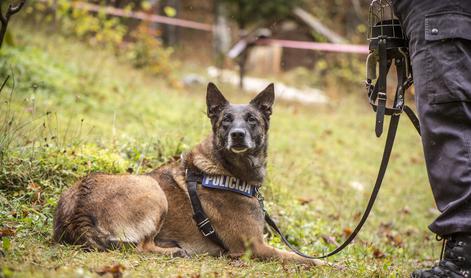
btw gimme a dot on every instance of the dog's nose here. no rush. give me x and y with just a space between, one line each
237 134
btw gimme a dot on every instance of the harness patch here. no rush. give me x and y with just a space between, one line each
229 183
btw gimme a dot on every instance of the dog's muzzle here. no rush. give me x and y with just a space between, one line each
239 141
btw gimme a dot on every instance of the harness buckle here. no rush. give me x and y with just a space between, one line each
203 224
382 96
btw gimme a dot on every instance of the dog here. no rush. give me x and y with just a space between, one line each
153 212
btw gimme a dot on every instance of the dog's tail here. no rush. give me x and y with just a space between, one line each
73 224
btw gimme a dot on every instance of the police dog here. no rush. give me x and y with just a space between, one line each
154 211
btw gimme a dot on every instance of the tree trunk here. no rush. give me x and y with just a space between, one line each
221 35
243 56
170 32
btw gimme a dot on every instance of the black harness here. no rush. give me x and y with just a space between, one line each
193 177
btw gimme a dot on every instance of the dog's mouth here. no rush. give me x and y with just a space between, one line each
239 149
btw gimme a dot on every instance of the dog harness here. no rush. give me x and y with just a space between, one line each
193 177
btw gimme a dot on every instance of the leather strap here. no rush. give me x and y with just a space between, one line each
413 118
381 84
193 177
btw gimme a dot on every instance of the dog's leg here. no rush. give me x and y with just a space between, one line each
265 252
148 245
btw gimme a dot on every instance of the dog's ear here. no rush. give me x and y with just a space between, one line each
215 101
264 100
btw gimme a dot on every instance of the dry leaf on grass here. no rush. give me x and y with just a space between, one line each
330 240
34 186
396 240
347 231
7 232
115 270
305 200
406 210
378 254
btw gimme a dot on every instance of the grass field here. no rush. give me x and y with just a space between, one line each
76 109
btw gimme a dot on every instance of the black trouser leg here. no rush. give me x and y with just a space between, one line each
440 46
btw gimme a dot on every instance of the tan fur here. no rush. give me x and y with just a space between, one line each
102 209
153 212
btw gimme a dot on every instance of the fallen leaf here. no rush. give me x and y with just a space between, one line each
334 216
305 200
34 186
328 132
396 240
347 231
406 210
7 232
415 160
378 254
330 240
115 270
385 228
411 231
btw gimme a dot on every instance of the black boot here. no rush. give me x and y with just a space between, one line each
455 263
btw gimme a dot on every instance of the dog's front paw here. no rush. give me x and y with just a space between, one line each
180 253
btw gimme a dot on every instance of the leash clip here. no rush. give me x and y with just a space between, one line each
260 199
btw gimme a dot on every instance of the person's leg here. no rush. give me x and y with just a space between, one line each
440 47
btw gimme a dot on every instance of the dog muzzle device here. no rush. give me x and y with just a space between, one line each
388 46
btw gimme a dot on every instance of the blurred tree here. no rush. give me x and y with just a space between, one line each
262 12
170 8
246 12
5 17
222 33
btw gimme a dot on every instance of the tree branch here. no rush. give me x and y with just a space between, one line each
316 25
12 9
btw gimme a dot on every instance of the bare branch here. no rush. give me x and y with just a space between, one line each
14 9
317 26
3 19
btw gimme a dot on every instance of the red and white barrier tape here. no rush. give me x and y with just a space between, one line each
144 16
328 47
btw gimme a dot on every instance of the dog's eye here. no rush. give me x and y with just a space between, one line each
227 118
251 119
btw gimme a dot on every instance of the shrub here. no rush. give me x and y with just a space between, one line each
140 46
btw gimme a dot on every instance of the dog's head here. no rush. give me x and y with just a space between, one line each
240 129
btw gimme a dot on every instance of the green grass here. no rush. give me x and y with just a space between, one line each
87 111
